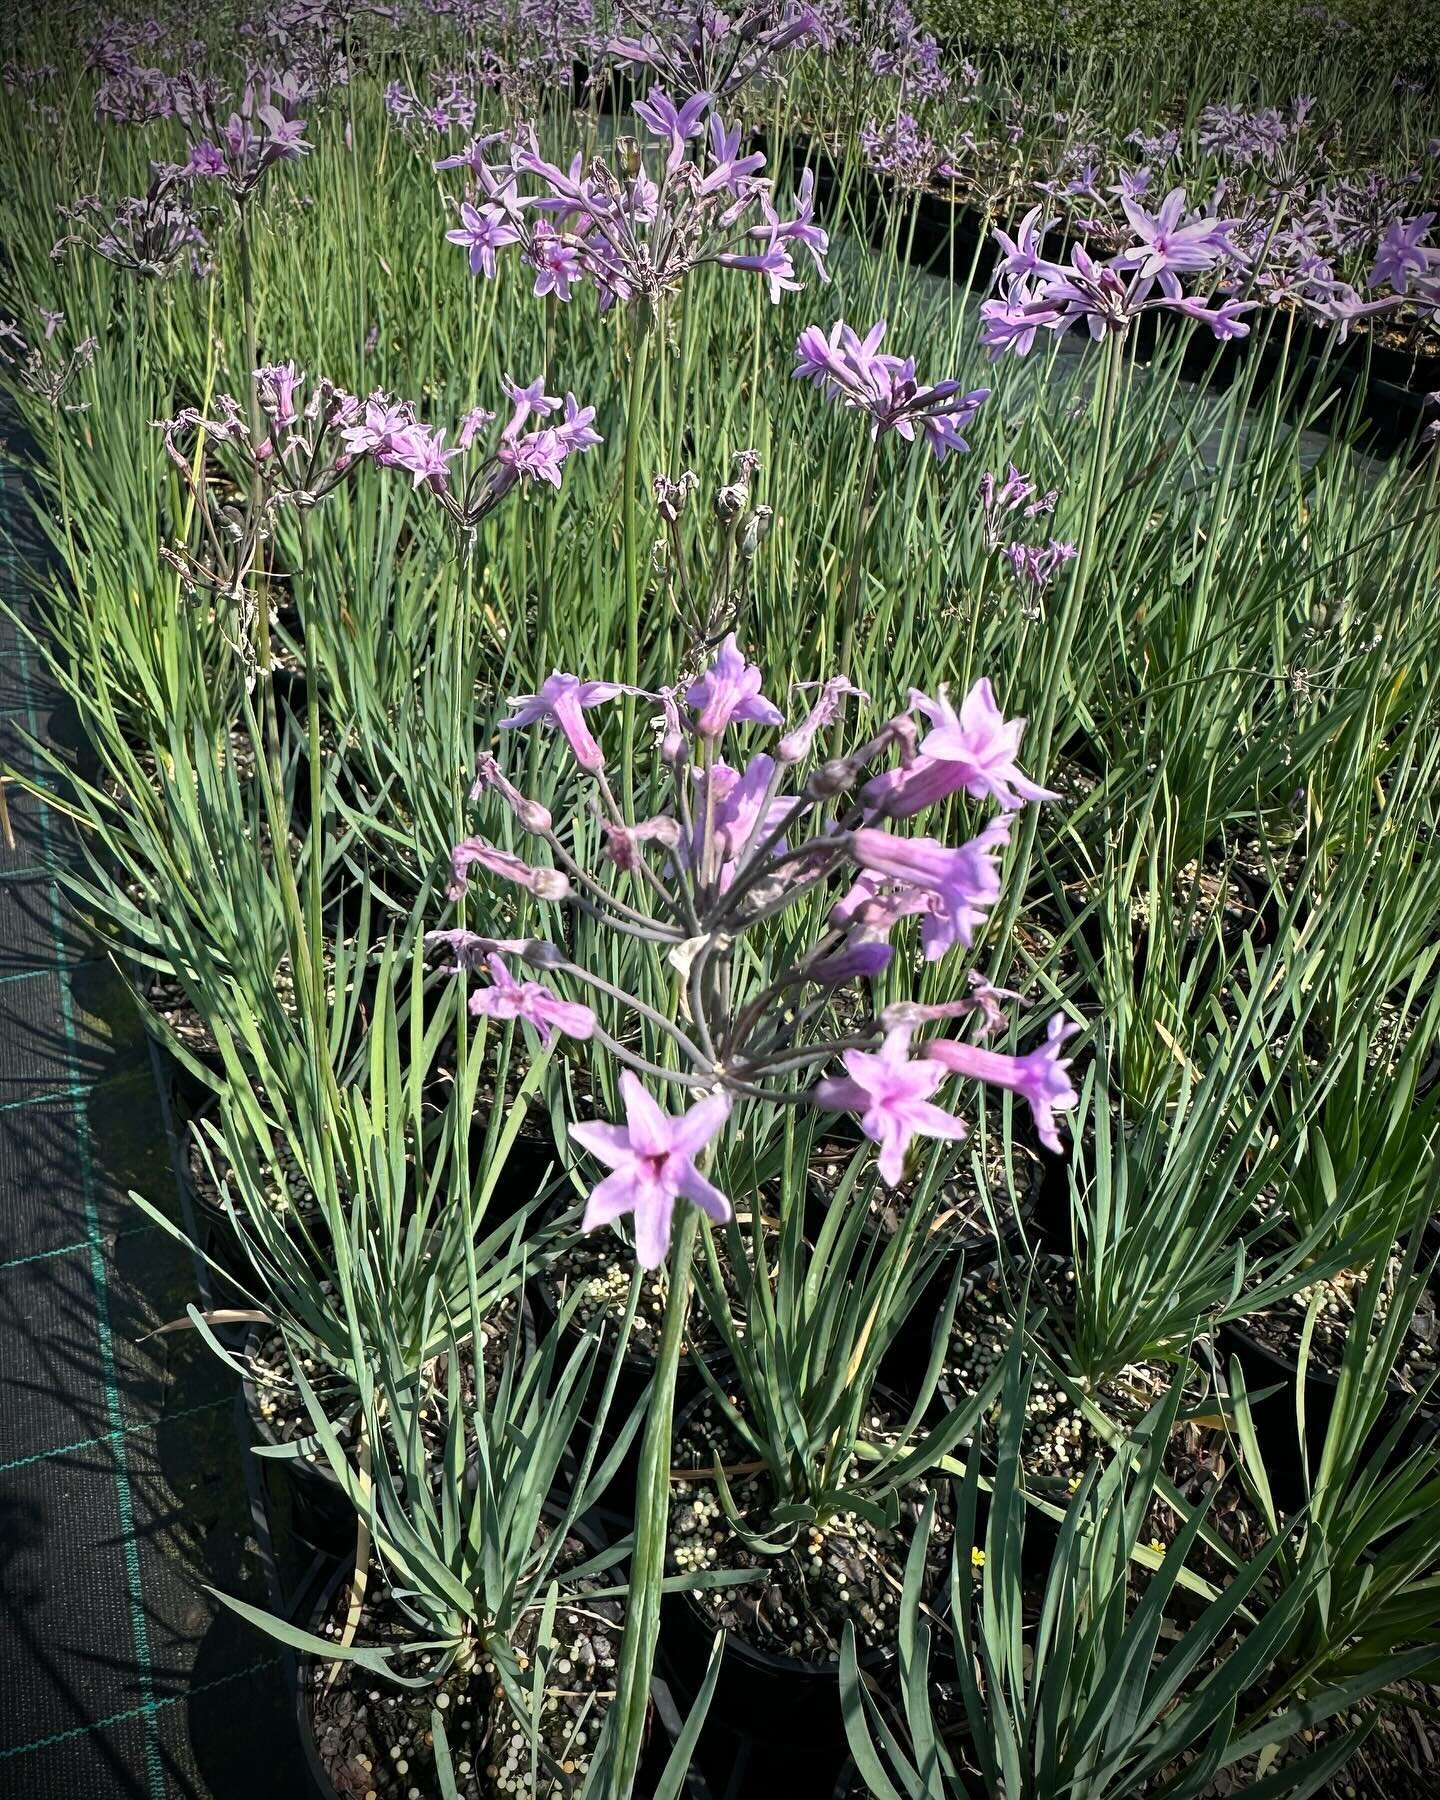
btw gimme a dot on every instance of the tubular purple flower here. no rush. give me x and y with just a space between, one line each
532 1001
275 387
981 744
671 124
544 884
974 749
528 402
734 810
530 813
652 1161
962 883
470 948
891 1092
731 168
729 693
561 702
860 960
1170 241
1040 1078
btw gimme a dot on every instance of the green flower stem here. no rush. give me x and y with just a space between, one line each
652 1510
1042 726
632 549
856 579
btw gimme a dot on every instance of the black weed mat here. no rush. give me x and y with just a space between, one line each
124 1491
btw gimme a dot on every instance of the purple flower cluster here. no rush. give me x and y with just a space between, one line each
716 53
238 148
391 434
636 234
912 158
719 852
857 373
1038 294
908 55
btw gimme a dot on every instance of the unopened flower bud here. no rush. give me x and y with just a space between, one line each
731 501
757 528
488 774
837 776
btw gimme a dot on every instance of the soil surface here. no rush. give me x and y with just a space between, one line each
845 1570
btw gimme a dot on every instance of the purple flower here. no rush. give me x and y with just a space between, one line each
1022 253
652 1159
561 701
1040 1078
1036 565
860 960
856 372
974 749
538 456
532 1001
671 124
1170 242
528 402
892 1094
1402 252
960 885
544 884
731 168
575 431
483 231
732 803
275 387
729 693
422 451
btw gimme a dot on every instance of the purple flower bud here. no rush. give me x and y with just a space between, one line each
544 884
531 814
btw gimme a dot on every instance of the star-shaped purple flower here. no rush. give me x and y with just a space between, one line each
561 701
652 1159
729 693
891 1091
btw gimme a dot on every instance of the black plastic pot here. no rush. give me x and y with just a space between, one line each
187 1085
616 1508
303 1488
666 1719
906 1359
791 1709
1276 1429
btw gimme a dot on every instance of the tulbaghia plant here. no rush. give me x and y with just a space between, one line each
717 53
46 373
391 433
635 227
1037 294
862 377
703 875
150 234
312 442
239 147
